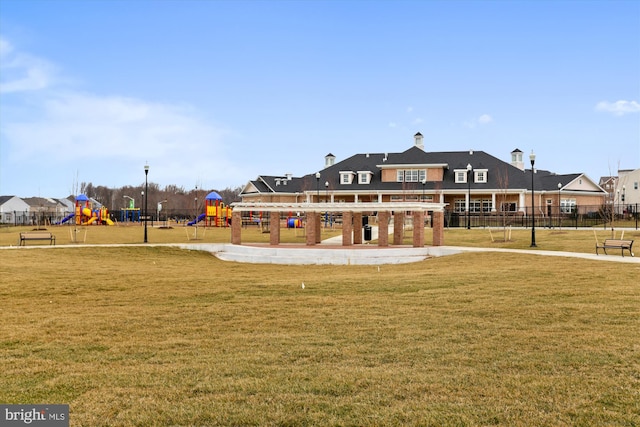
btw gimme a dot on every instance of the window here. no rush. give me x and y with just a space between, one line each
461 176
516 157
364 177
567 206
508 207
475 205
480 175
411 175
346 177
635 185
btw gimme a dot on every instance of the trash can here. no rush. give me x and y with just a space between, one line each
367 232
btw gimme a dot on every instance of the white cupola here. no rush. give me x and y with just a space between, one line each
419 140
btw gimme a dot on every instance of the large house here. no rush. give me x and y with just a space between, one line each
623 191
468 182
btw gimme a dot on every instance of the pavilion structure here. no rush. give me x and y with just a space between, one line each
351 220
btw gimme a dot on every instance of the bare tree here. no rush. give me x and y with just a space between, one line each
502 179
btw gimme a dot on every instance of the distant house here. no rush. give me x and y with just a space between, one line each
45 211
473 182
626 191
13 210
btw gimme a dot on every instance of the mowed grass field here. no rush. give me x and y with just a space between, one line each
157 336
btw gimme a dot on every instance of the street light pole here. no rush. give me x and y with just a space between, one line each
559 207
469 170
146 199
624 190
532 157
318 187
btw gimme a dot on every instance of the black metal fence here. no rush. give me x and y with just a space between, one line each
550 216
547 217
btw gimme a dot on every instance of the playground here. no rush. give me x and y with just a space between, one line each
84 214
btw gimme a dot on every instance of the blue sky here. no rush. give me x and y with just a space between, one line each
214 93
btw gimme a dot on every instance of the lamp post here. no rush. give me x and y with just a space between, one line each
532 157
559 207
326 190
146 199
469 170
318 186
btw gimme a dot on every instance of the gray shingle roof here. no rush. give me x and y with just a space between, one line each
499 172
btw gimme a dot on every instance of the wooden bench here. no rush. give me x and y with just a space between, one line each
621 244
37 235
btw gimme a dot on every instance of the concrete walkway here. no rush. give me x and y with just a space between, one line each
331 252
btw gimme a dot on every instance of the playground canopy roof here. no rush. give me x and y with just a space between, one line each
213 196
81 198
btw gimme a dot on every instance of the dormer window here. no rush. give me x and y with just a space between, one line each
480 176
346 177
364 177
411 175
461 176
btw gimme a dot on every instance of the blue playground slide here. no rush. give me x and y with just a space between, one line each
200 218
66 218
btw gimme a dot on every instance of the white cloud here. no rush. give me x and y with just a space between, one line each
21 72
482 120
417 121
618 108
409 109
107 138
74 127
392 124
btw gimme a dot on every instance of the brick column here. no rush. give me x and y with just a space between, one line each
347 228
383 228
310 228
398 227
357 228
418 229
236 227
274 228
438 228
318 216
